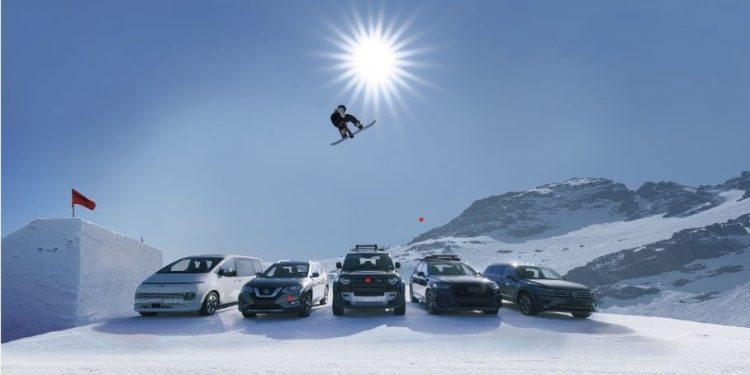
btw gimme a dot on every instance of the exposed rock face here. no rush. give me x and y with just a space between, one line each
558 208
681 253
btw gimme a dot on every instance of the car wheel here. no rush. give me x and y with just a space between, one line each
248 314
324 300
430 301
581 315
147 313
411 296
401 310
210 304
305 305
526 304
337 310
491 311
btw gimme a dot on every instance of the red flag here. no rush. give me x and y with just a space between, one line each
81 200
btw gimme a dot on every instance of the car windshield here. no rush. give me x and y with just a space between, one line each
449 269
287 270
192 265
366 262
537 273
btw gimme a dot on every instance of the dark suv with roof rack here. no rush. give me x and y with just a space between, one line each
537 288
445 283
368 280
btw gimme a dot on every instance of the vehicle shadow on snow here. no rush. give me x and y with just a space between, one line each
323 325
560 322
180 324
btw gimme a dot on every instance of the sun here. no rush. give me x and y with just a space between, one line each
375 63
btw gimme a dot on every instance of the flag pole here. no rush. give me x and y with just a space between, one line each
73 207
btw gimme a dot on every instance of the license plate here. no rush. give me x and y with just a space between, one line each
472 290
369 299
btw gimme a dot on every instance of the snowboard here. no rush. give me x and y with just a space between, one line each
354 133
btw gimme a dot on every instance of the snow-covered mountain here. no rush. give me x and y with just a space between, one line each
663 249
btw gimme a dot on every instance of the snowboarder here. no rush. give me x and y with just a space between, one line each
339 118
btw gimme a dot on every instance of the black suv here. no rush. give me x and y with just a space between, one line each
537 288
368 280
445 283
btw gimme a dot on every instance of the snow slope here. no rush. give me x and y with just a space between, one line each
579 247
376 343
62 273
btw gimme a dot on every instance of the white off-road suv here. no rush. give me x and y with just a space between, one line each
201 283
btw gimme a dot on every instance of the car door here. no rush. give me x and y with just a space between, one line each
419 280
512 283
321 280
229 281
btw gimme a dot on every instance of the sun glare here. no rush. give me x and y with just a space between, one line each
374 62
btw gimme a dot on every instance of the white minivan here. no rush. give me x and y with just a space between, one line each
200 283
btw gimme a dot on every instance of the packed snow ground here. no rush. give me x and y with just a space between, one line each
375 343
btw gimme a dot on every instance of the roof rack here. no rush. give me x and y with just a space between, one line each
442 257
366 248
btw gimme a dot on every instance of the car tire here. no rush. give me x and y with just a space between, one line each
401 310
491 311
147 313
210 304
324 300
581 315
305 305
337 310
526 304
411 296
432 307
249 314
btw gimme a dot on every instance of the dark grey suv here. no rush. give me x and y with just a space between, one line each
285 286
537 288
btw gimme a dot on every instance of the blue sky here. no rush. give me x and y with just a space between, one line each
203 126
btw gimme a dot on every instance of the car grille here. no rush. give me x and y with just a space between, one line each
572 294
159 305
368 291
173 295
266 292
470 290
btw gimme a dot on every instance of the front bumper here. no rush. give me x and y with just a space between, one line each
447 300
166 298
278 303
584 305
364 299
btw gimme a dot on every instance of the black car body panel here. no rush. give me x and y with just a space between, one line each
547 294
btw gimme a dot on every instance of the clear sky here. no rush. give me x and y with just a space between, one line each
203 126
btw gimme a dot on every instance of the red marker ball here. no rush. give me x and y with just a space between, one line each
421 219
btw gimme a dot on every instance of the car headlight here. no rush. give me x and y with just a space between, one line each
494 286
189 296
292 289
441 286
344 280
247 289
393 280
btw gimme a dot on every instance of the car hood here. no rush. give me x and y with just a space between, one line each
261 282
559 284
177 278
368 272
460 279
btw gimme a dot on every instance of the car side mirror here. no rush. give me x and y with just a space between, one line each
420 274
315 275
220 272
398 264
338 265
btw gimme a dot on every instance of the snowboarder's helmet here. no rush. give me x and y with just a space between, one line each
342 107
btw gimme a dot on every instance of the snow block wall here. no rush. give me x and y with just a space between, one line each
63 273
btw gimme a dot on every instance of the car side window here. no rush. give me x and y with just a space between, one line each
421 268
257 266
499 271
508 272
244 267
230 268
